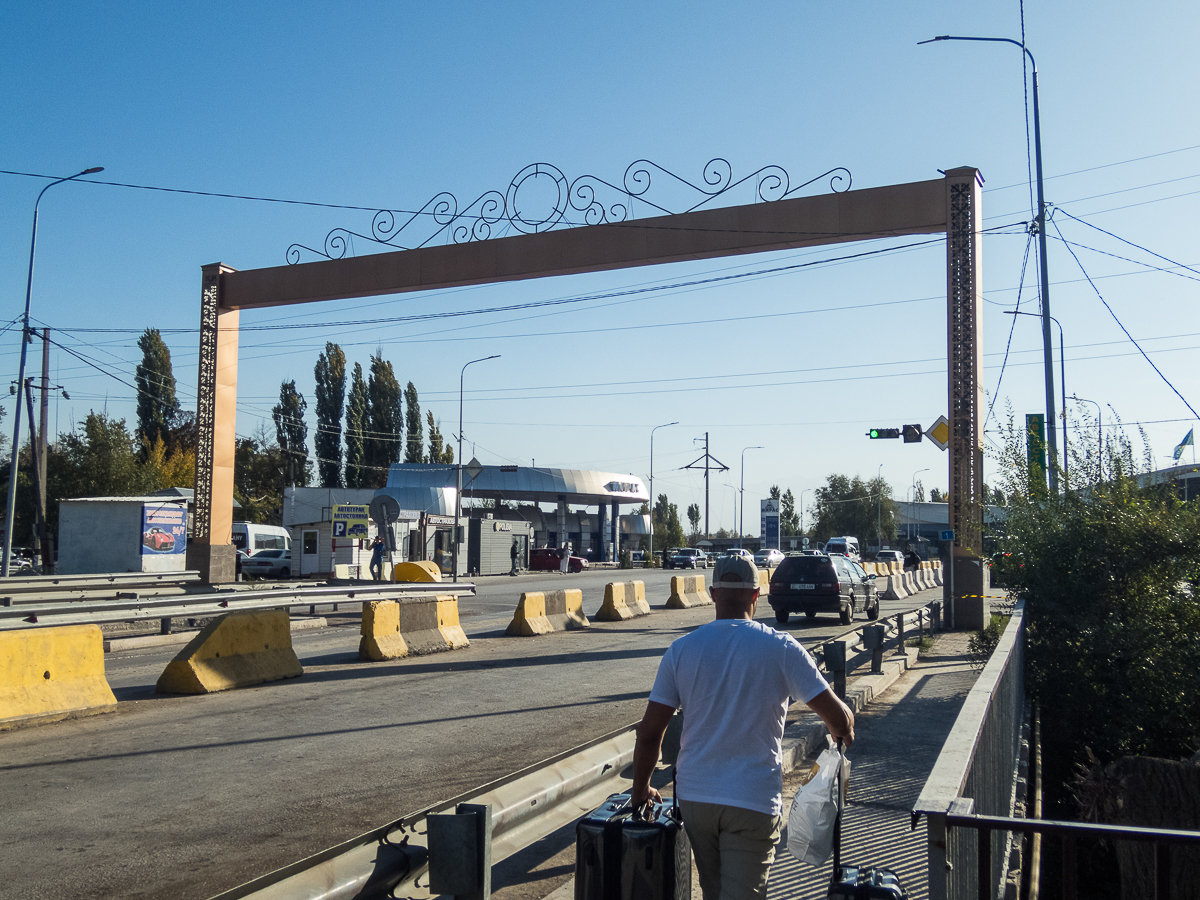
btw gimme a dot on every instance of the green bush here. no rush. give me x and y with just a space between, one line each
983 643
1106 569
626 559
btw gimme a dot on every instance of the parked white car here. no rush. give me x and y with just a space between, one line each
768 558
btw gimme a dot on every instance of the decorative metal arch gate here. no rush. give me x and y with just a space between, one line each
951 204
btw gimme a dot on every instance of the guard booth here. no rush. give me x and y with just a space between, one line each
489 545
434 541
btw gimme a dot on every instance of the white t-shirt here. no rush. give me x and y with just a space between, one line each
735 679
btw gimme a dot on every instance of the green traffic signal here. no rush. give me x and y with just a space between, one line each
877 433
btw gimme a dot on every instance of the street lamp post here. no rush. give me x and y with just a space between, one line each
652 430
1099 425
458 491
10 512
802 493
1040 220
1062 376
742 496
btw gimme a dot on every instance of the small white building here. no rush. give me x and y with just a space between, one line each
99 535
308 517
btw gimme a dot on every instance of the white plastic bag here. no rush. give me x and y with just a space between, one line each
814 810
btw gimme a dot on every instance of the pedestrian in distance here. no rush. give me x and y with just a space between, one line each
734 678
564 556
513 552
377 558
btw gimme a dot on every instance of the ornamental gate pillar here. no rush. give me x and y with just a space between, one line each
216 417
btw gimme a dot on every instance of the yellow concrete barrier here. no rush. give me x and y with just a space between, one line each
239 649
541 612
394 629
688 591
421 570
764 582
52 673
623 600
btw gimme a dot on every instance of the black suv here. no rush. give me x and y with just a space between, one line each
822 584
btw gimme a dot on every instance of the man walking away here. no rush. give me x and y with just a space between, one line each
565 556
734 679
377 558
513 552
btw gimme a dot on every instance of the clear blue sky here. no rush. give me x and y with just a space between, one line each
386 104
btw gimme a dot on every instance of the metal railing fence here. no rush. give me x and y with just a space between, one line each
976 772
988 827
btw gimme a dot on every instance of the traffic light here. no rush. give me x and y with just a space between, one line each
877 433
912 434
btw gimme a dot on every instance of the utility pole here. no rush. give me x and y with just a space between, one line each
707 458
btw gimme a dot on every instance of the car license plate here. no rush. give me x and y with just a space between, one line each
803 587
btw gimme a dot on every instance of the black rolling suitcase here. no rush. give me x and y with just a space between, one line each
620 856
859 882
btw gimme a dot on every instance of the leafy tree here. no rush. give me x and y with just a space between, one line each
100 460
667 530
919 492
774 492
330 373
258 478
167 468
157 406
291 432
789 522
412 419
356 430
693 514
439 452
1108 571
850 506
936 496
385 422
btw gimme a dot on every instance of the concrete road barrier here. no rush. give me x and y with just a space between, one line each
623 600
895 588
421 570
50 673
938 576
764 582
688 591
236 650
394 629
541 612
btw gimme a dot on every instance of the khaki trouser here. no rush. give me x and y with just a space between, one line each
734 848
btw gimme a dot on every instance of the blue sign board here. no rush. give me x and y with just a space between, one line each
947 535
164 529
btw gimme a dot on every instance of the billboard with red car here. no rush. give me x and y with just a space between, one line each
164 529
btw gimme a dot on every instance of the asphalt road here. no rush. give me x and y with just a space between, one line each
183 797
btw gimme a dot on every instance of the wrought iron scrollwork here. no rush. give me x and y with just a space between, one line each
539 198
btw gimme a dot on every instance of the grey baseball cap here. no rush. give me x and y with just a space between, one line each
729 566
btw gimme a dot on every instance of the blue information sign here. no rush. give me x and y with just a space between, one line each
947 535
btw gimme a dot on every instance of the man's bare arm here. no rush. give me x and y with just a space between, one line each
646 751
835 714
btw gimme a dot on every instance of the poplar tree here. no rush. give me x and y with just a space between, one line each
439 451
330 375
157 406
385 422
412 419
356 428
292 433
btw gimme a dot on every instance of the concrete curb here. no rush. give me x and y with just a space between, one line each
182 637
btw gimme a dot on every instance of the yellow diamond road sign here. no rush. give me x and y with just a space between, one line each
939 432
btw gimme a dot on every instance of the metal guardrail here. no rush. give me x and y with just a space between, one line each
17 590
387 861
217 603
976 771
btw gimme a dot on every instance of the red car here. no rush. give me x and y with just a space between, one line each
547 559
158 540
